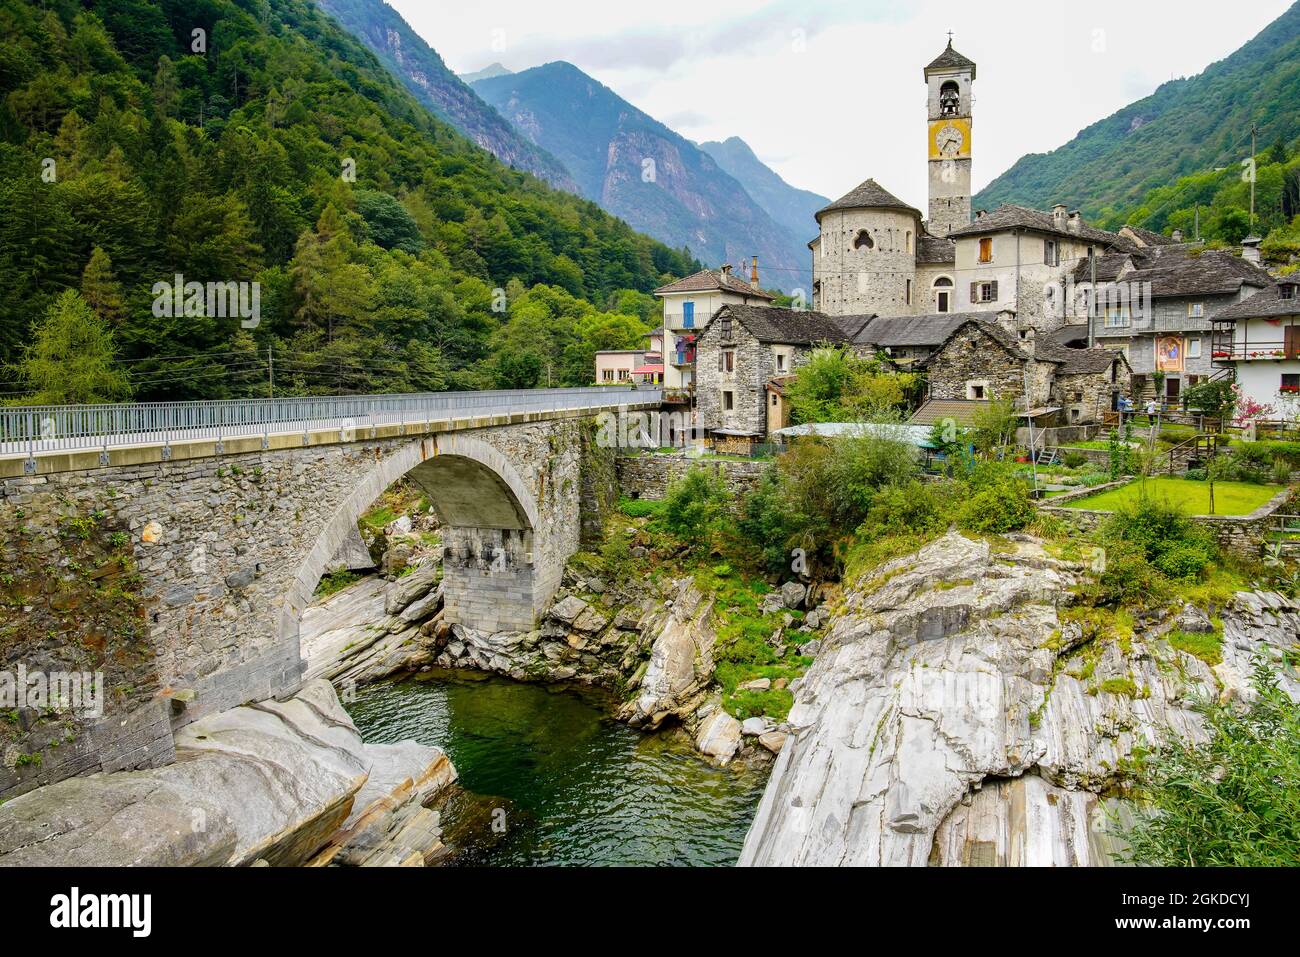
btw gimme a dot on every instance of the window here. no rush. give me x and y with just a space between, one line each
1193 348
727 360
863 240
728 400
1117 315
984 291
780 362
986 249
623 375
1196 310
941 301
688 315
724 327
1286 291
909 292
1051 253
1290 382
607 375
909 240
943 294
975 390
774 398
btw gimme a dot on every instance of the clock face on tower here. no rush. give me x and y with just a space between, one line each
950 138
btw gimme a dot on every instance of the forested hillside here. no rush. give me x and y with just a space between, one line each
1215 206
254 140
416 64
1186 126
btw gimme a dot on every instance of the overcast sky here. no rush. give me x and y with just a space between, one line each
829 92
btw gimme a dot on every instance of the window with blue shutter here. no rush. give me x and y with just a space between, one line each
688 315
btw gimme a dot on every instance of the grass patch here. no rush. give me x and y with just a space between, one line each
1230 498
336 582
1206 645
641 507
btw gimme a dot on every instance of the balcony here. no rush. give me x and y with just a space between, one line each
1226 351
683 360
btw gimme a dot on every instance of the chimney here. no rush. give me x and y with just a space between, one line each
725 269
1058 216
1075 222
1250 248
1177 236
753 274
981 213
1027 343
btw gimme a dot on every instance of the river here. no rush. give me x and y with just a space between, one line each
579 788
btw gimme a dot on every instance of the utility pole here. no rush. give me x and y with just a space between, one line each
1253 130
1092 291
1197 223
270 372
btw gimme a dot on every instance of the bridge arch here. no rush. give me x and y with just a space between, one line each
475 490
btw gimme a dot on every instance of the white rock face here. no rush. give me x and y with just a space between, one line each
681 660
952 718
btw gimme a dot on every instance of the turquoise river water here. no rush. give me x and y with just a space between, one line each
553 780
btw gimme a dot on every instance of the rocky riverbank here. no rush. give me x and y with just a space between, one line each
274 783
963 712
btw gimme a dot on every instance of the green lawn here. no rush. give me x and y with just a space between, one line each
1230 498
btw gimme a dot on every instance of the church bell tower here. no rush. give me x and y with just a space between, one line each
949 78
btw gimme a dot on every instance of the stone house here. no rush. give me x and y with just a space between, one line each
744 348
688 304
1158 304
981 360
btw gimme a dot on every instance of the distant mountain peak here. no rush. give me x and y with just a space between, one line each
491 70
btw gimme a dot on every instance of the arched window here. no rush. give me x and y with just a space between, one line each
909 241
863 240
942 289
949 99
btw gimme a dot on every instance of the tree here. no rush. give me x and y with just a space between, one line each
101 290
837 386
71 359
1232 799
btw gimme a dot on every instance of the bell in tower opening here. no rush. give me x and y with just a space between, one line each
949 99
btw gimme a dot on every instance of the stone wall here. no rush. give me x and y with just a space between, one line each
972 355
1084 396
852 278
647 476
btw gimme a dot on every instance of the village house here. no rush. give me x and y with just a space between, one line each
688 304
973 304
1163 317
1260 339
632 365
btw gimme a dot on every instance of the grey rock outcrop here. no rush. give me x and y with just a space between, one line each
966 720
681 661
268 783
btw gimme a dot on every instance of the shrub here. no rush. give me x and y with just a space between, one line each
1230 799
1129 579
640 507
1157 533
1074 460
693 506
1183 560
1281 471
1003 507
1196 475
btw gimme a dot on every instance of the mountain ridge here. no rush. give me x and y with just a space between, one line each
789 205
639 169
1187 125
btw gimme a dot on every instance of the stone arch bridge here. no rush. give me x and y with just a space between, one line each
234 509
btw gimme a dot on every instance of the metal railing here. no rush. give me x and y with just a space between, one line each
31 430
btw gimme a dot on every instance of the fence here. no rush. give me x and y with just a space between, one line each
28 430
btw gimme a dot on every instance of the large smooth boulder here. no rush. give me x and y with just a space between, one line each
718 736
681 660
269 782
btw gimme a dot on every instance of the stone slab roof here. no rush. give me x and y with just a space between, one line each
868 195
934 250
707 280
1011 216
1146 237
1265 304
1181 270
790 326
950 59
929 330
